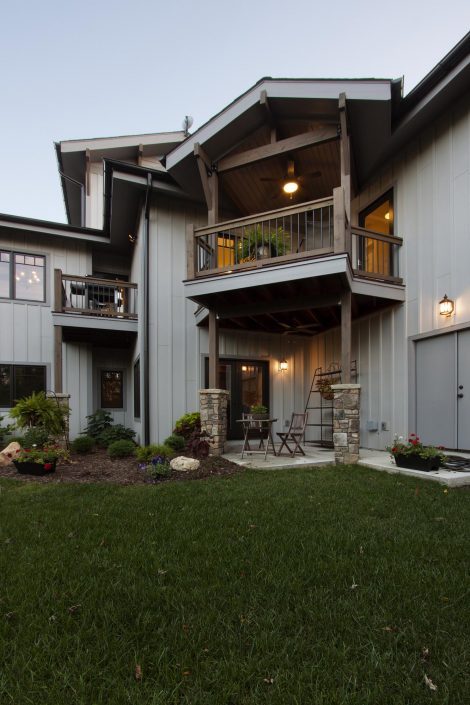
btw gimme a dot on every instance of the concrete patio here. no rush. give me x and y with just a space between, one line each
316 456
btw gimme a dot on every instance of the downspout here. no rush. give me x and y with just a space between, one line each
145 312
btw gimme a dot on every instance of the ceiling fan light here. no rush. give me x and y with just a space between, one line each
290 187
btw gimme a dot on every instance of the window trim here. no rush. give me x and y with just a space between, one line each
103 371
136 363
13 365
12 288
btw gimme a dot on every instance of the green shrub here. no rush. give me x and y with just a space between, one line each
118 432
145 454
187 425
121 449
97 423
83 444
38 410
175 442
35 436
159 467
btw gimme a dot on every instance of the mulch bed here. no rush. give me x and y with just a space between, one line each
98 467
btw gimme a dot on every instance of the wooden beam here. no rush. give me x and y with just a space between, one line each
272 307
58 303
205 183
346 337
213 350
200 153
210 183
87 171
268 151
345 154
339 221
263 99
58 359
213 212
140 154
190 252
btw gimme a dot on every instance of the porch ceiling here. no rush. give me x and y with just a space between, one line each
99 338
301 308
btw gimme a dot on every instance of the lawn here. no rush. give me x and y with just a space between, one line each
314 587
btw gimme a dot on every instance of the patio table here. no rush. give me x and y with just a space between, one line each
257 429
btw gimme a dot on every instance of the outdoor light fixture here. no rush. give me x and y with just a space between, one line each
132 238
446 306
290 187
283 366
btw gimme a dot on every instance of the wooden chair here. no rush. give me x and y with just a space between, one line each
294 435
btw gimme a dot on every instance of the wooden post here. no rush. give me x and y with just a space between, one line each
213 350
58 359
58 291
339 227
213 213
190 252
345 155
346 337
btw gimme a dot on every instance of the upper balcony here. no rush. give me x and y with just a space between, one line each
94 305
315 233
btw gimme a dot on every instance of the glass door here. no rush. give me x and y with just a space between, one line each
247 382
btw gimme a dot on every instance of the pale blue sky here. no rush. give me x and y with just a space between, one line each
76 68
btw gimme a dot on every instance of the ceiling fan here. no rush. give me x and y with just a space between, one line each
292 182
294 329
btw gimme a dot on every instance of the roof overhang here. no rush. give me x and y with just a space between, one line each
14 224
72 160
369 106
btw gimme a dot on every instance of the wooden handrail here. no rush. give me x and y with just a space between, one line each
362 232
104 282
266 215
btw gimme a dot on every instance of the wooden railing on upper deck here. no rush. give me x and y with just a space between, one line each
374 255
93 296
273 237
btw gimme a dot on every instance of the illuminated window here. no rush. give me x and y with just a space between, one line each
378 217
22 276
225 251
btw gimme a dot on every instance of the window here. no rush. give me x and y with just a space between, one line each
112 389
22 276
376 256
18 381
137 389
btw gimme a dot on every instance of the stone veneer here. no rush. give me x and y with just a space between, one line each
213 408
346 407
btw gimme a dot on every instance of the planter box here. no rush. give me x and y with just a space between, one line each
414 462
34 468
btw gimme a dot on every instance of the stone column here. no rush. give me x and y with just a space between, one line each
346 407
213 408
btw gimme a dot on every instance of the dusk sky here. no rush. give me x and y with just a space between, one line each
73 69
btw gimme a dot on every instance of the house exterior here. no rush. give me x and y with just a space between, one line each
185 264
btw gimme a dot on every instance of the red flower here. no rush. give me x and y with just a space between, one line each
26 450
394 449
412 435
47 466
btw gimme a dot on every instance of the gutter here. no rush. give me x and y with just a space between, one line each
145 312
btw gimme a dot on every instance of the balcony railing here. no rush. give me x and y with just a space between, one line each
95 297
313 229
269 238
375 255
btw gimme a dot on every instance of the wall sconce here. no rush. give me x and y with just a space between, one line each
283 366
132 238
446 306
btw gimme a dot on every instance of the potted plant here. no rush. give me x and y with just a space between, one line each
414 455
261 243
324 387
38 461
259 411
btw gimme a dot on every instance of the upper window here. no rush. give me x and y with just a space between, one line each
379 215
22 276
18 381
112 396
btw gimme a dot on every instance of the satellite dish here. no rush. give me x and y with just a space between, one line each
187 122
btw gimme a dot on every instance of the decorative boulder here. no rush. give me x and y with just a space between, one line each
8 454
183 464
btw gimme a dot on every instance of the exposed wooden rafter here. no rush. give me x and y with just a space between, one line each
272 307
210 183
279 148
272 122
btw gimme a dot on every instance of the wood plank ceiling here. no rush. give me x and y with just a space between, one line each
249 193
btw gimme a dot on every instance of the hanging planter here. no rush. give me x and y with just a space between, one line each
324 387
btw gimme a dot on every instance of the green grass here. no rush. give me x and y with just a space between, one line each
328 581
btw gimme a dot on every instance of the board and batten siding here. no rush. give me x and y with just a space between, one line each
173 335
431 182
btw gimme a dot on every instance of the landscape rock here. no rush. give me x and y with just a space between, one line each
9 453
183 464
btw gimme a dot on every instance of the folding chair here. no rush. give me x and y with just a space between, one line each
294 435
